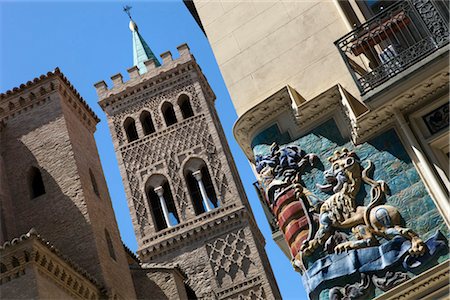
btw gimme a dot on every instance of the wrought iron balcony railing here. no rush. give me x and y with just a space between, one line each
394 40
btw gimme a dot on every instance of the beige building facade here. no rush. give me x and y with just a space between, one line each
309 78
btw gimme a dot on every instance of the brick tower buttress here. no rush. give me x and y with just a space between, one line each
187 203
56 179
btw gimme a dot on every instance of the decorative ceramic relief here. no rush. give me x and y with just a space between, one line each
347 237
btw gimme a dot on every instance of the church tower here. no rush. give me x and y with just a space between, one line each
51 179
187 203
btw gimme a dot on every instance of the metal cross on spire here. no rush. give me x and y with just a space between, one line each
127 9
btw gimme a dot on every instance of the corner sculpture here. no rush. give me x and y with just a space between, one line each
338 240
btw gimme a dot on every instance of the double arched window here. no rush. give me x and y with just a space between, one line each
130 129
185 106
147 122
36 183
161 202
200 186
147 126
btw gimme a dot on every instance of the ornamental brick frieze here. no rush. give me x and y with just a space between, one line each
164 146
230 256
151 102
201 227
249 287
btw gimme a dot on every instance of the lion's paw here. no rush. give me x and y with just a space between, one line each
308 247
418 247
345 246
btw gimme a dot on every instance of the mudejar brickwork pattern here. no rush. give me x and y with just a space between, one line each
183 190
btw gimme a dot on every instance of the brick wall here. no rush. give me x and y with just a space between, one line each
55 135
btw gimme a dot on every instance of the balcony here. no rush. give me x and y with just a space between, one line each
394 40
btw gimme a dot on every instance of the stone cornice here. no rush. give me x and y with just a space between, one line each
362 122
258 116
378 119
165 267
434 279
239 288
301 113
32 250
17 98
204 225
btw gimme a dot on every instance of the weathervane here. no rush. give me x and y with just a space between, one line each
127 9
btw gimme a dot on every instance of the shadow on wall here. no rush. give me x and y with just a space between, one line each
145 287
58 216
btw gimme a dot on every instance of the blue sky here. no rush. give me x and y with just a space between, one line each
90 42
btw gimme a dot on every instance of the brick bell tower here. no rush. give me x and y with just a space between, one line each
51 179
187 202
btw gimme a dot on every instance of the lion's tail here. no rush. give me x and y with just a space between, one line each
377 193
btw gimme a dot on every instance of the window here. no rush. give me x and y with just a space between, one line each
194 192
372 7
37 187
161 202
169 114
197 177
94 183
185 106
110 245
15 262
147 123
130 129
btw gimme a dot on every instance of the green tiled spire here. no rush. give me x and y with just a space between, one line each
141 51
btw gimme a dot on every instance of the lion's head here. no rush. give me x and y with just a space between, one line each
344 166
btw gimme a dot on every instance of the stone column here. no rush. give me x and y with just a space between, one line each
198 177
160 192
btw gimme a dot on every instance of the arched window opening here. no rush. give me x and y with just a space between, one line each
37 187
94 183
161 202
130 129
190 292
15 262
185 106
209 186
112 253
169 114
200 186
194 192
147 123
